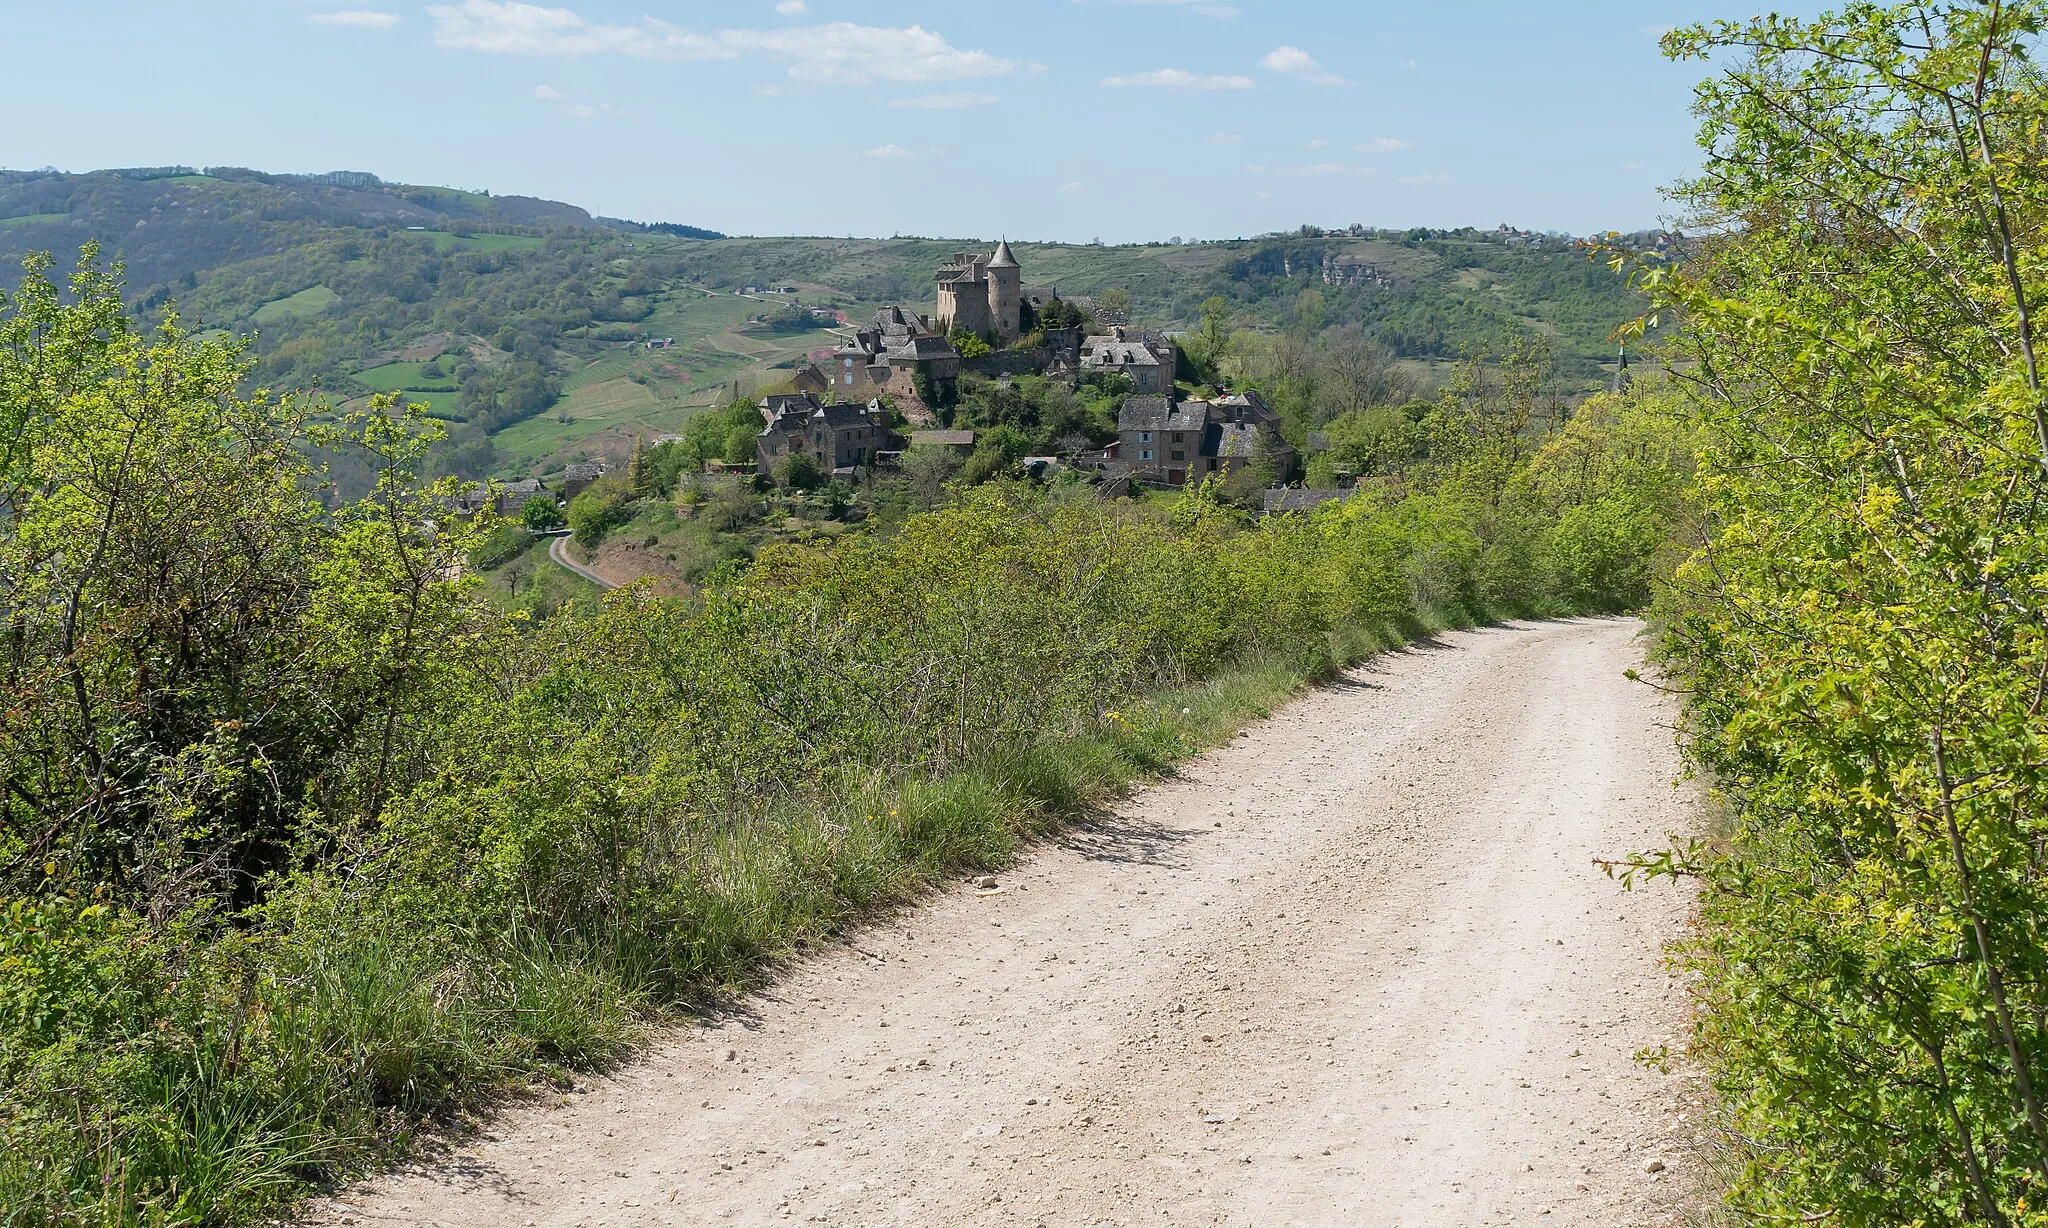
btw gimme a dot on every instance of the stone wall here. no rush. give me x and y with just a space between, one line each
1009 362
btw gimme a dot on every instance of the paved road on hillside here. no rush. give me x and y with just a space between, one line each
558 550
1355 968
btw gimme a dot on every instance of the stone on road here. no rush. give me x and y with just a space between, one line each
1355 968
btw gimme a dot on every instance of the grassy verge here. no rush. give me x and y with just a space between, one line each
326 1044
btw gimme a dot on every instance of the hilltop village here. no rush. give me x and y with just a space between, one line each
987 322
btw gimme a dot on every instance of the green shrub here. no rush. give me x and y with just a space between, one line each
416 852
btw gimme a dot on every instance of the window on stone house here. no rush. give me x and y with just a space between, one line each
1144 437
1145 455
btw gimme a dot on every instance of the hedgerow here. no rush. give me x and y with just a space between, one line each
306 847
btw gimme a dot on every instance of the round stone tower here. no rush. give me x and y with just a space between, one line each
1005 292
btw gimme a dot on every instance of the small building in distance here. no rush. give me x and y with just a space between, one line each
1159 440
512 496
888 357
1148 358
1172 444
960 441
812 380
577 478
841 437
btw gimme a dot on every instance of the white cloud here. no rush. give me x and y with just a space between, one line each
945 102
847 54
1426 179
1318 143
1073 186
1254 169
1180 79
364 19
1294 62
1193 6
580 111
792 8
838 52
889 152
1407 64
509 27
546 93
1383 144
1224 138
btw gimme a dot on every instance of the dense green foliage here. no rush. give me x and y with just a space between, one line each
304 843
1861 632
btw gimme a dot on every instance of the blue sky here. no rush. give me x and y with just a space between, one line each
1040 119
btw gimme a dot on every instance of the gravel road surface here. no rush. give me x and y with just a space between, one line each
1355 968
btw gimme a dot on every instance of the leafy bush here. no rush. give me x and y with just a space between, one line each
379 852
601 507
540 513
1860 631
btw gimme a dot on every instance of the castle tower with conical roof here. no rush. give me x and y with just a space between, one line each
983 294
1006 293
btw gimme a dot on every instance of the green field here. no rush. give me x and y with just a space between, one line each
448 242
310 301
404 377
35 219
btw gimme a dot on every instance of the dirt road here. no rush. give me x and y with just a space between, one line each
1355 968
558 550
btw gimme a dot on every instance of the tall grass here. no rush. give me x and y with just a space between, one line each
633 814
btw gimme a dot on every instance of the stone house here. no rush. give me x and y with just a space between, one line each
1147 358
1162 441
842 437
1172 444
577 478
887 357
512 496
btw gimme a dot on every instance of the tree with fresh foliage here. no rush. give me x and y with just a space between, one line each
540 514
1860 633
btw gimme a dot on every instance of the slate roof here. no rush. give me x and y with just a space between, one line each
1159 413
1120 355
583 471
948 439
922 348
842 415
1238 440
783 403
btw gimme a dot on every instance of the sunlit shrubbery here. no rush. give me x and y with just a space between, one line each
304 844
1861 633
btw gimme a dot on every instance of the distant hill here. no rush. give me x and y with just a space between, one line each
521 320
167 222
